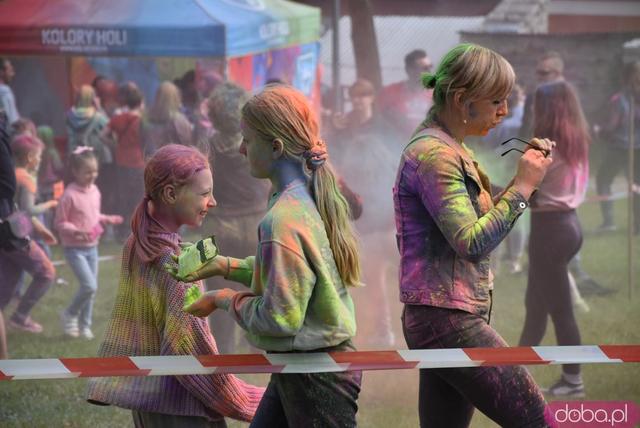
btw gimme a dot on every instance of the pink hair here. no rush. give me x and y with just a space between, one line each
172 164
23 145
558 116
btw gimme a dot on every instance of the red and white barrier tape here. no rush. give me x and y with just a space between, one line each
65 368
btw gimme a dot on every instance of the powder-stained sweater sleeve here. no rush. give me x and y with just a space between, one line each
241 270
26 190
26 202
185 334
287 287
442 189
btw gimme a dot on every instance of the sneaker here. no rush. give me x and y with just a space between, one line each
515 267
581 305
69 324
576 297
26 324
86 333
607 227
61 281
589 286
562 388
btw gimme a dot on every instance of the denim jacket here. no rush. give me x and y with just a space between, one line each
447 224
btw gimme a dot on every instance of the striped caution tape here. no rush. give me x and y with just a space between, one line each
66 368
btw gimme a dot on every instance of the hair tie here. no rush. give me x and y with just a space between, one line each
316 156
429 80
81 149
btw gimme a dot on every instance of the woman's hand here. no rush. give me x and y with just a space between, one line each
545 145
79 235
41 230
50 204
217 266
115 219
210 301
48 237
531 170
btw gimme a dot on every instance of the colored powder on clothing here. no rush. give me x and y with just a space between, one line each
192 294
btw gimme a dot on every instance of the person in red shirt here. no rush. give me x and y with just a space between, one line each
123 134
405 104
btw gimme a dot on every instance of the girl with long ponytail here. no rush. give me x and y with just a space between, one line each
307 257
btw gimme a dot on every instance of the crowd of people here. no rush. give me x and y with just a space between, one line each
392 192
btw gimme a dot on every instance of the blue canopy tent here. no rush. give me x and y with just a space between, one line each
133 39
193 28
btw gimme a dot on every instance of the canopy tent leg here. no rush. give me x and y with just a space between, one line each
337 91
630 206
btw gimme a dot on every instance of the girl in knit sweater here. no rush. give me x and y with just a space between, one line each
306 259
148 319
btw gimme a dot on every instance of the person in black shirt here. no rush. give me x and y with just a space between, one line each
7 191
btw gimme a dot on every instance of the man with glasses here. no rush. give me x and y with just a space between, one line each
550 68
405 103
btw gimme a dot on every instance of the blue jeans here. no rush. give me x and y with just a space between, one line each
84 263
447 397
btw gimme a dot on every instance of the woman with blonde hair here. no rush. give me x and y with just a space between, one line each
164 123
306 259
447 225
85 123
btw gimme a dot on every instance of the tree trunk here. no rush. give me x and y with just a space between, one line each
365 43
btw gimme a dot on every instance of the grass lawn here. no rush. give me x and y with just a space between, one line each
389 398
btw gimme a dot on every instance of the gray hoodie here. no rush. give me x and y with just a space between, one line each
8 103
84 127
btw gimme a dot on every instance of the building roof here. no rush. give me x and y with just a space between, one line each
415 7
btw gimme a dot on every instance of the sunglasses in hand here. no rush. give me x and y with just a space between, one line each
546 152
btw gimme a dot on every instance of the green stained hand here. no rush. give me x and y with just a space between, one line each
192 294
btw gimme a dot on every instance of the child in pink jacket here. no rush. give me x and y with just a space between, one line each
79 222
